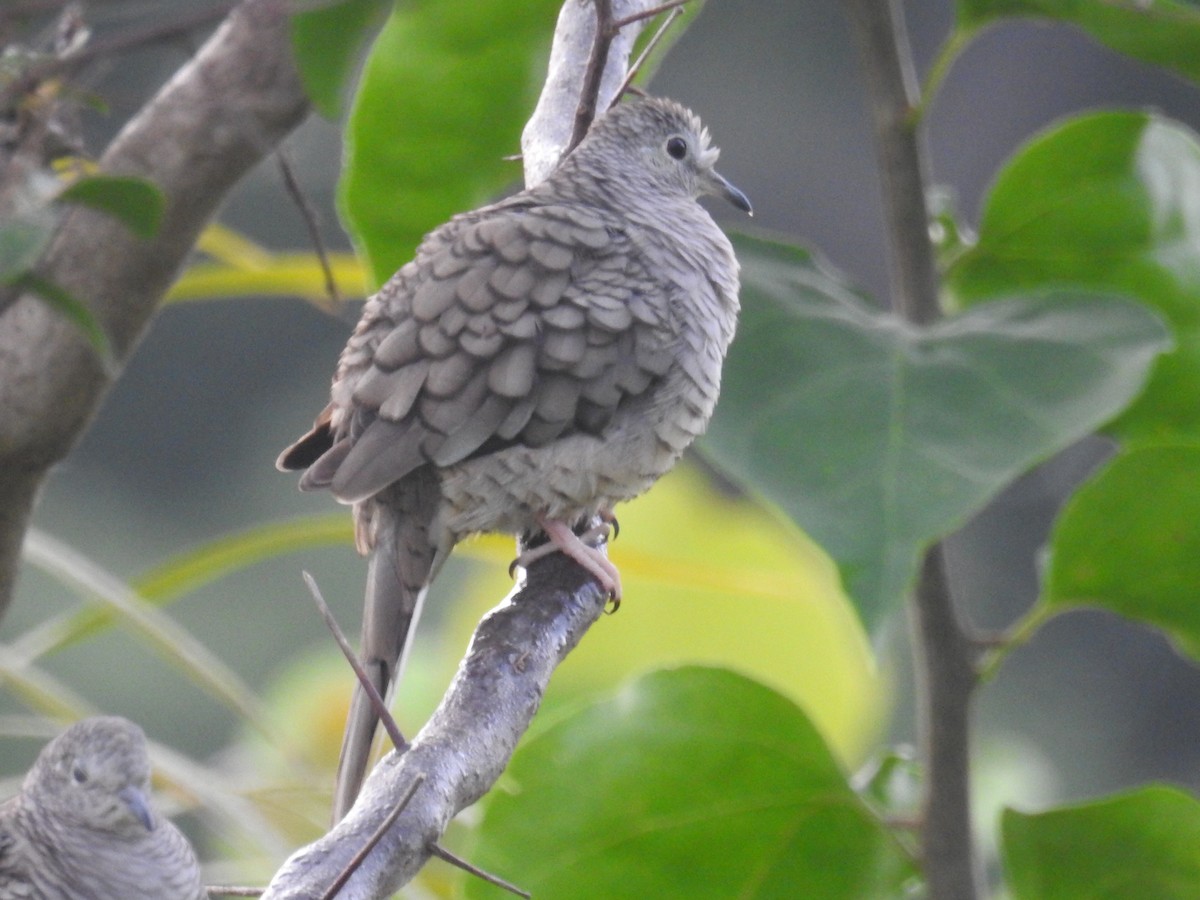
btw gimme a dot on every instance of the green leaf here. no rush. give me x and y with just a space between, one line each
1107 202
74 312
1127 541
878 438
620 798
134 201
22 239
1162 32
442 101
328 43
1140 844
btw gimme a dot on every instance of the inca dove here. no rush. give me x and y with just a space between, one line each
540 360
83 824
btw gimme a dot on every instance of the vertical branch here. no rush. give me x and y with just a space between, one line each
586 111
946 679
946 673
887 63
569 86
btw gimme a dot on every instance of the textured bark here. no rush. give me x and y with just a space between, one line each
464 746
211 123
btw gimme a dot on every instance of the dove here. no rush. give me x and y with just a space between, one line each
84 825
540 360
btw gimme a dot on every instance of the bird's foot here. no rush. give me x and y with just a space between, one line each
584 549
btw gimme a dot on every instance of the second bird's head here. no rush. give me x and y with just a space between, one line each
96 775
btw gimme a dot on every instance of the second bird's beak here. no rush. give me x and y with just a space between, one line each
135 799
717 184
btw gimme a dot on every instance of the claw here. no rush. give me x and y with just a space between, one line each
608 516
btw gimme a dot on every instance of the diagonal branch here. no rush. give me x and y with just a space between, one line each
221 113
465 745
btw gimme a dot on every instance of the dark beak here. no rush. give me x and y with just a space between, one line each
135 798
722 188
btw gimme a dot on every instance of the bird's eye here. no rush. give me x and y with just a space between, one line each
676 148
79 774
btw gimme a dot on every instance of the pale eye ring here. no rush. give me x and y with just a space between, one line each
676 147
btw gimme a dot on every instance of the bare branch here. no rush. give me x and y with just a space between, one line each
220 114
339 636
549 130
376 836
459 863
676 9
602 36
464 746
309 214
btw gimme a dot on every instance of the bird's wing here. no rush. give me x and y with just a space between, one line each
518 324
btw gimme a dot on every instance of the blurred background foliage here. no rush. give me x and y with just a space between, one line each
171 499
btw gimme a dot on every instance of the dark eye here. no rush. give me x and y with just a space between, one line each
79 775
676 148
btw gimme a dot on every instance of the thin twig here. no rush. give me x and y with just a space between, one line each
676 12
230 891
586 111
381 710
375 838
309 214
648 13
459 863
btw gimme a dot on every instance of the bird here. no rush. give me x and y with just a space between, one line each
83 824
539 360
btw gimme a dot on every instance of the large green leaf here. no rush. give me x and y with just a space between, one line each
1107 202
879 438
443 97
1129 541
1163 32
328 42
1138 845
691 783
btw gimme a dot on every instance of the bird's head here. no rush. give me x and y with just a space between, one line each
661 146
96 774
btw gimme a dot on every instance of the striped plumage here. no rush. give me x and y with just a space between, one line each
83 824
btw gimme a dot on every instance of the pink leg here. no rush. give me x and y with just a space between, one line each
563 539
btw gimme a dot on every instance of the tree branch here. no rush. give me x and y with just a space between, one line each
465 745
946 672
221 113
547 135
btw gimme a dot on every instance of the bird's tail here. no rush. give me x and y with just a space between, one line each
401 564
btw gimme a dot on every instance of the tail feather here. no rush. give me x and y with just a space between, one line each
400 568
